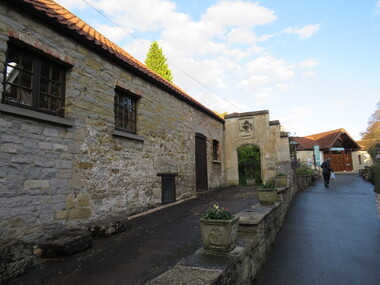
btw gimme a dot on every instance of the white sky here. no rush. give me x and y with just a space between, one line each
314 65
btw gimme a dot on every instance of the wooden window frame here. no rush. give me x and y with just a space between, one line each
35 75
125 116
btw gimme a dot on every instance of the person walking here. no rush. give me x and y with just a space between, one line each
326 171
374 178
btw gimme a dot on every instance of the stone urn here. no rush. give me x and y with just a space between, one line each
267 196
219 235
280 181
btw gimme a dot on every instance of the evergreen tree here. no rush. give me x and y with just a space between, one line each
156 61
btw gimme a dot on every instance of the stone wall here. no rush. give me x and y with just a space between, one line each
70 173
258 228
255 128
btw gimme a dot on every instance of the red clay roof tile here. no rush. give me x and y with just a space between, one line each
325 140
65 18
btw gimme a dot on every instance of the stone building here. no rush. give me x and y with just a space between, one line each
88 132
255 128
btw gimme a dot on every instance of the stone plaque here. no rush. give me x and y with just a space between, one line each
246 127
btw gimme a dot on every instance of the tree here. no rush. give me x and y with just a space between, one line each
156 61
372 135
249 163
222 115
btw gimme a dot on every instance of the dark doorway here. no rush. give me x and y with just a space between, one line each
201 162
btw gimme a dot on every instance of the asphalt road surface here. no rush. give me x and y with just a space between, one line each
330 236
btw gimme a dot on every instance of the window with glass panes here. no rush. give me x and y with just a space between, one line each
125 111
33 82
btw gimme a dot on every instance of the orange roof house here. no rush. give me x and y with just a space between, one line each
344 151
327 140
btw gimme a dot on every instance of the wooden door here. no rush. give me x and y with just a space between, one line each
201 163
348 162
337 162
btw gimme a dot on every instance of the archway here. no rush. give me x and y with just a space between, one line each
249 163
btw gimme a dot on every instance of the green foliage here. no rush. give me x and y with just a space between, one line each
249 163
156 61
217 213
303 169
372 134
222 115
268 185
280 174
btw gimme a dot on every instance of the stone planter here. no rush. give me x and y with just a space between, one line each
267 196
219 235
250 181
280 181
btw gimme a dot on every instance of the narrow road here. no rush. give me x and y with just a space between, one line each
330 236
151 245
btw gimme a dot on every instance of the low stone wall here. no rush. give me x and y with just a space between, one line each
258 228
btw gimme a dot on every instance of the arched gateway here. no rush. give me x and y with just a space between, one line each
254 128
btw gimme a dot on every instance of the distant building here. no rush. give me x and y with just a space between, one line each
345 153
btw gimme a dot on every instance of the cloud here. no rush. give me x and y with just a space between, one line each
112 33
277 68
239 13
304 32
336 104
298 114
308 63
69 4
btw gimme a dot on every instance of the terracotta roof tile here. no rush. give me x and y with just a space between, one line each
57 13
325 140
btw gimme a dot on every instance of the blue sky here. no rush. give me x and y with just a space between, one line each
314 65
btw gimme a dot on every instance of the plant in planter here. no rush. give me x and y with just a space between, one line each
219 229
267 194
280 180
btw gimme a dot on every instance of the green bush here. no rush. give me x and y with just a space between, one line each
303 169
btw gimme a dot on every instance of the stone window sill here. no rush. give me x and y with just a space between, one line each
4 108
217 161
117 133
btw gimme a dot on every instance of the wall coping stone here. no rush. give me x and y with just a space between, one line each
127 135
281 189
4 108
246 114
256 214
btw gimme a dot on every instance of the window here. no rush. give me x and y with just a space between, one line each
33 82
215 150
125 111
360 159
